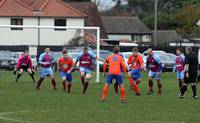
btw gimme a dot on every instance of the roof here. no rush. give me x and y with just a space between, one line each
93 15
46 8
167 36
124 25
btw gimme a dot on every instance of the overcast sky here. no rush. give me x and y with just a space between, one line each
107 4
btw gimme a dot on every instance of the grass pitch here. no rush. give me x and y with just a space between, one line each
20 103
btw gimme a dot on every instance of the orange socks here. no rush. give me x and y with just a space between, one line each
130 81
122 90
105 91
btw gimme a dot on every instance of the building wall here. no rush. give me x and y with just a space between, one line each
119 37
58 37
30 36
18 37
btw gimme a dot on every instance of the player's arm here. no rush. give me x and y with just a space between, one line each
105 66
187 66
30 65
158 62
40 60
19 63
141 62
71 64
130 61
124 67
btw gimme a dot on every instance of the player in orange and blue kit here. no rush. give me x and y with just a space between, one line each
115 62
66 64
137 65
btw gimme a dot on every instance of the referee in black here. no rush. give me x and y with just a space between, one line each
191 64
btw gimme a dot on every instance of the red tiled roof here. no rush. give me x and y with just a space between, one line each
48 8
7 8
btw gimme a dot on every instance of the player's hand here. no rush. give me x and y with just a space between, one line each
187 75
104 75
158 73
125 75
141 70
14 72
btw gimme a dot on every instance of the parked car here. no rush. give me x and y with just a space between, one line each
103 55
167 61
7 61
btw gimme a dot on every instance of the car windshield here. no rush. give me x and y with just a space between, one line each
165 58
103 54
57 55
74 55
5 55
127 55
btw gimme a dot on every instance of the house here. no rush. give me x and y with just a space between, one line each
127 28
164 37
38 13
93 16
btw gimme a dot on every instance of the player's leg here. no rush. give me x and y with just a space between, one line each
21 71
87 78
159 83
82 72
130 79
51 75
63 76
184 87
42 73
137 89
115 87
31 73
109 79
122 89
180 77
69 82
150 82
193 84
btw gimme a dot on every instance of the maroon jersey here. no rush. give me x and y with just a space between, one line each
179 64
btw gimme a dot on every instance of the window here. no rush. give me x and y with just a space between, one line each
146 38
16 21
137 38
60 22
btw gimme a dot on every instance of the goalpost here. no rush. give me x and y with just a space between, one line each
68 33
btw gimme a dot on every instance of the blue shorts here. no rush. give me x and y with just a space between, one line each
135 74
85 70
67 75
154 74
46 72
110 77
180 75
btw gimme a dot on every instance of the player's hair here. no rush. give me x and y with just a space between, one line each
25 51
64 51
116 50
135 49
179 49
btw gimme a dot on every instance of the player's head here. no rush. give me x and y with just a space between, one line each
85 49
26 53
135 51
64 53
150 51
178 51
47 50
116 50
188 50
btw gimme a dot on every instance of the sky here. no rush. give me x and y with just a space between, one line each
107 4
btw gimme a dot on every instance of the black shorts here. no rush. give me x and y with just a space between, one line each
192 78
25 68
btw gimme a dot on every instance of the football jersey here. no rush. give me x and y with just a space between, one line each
65 64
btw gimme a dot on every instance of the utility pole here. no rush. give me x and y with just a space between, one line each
155 21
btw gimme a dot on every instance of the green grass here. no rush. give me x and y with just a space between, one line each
21 103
